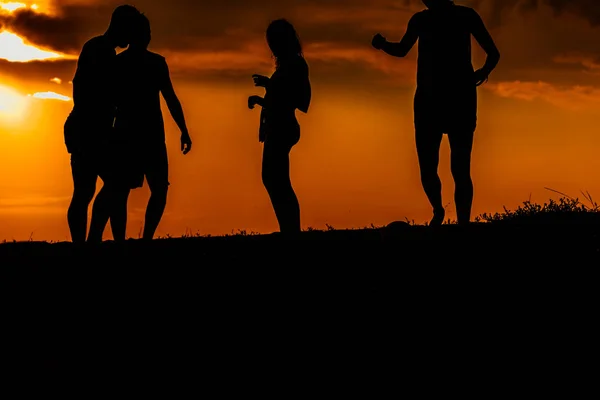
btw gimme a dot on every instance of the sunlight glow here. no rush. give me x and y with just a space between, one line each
12 104
10 7
13 48
50 96
56 80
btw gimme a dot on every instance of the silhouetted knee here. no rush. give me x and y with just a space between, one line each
82 197
159 193
272 180
461 172
429 175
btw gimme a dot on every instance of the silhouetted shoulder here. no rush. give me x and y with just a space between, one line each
420 16
418 20
301 66
97 46
155 57
467 13
305 91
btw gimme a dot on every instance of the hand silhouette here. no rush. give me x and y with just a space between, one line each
260 80
186 143
378 41
253 100
481 77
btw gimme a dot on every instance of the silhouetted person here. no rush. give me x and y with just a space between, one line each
286 90
88 127
446 95
141 78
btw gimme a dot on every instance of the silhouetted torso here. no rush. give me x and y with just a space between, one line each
289 89
141 77
446 97
93 94
444 60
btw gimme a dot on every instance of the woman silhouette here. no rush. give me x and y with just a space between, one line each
286 90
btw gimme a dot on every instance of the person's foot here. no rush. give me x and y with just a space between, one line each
438 217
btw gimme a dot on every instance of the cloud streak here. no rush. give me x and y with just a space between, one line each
50 96
573 98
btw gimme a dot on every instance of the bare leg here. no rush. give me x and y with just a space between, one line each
157 175
118 216
101 211
84 188
428 150
276 178
461 146
78 213
154 211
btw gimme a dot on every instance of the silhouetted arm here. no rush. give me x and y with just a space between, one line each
173 103
94 71
407 42
291 90
483 37
304 89
259 100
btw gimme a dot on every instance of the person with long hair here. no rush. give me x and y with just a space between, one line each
286 90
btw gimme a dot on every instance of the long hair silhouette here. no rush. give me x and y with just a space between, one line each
283 40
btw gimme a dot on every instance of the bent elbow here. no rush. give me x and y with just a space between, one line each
496 55
403 52
399 53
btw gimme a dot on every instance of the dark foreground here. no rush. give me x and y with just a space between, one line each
319 315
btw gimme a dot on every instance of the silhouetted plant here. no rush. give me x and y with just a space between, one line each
564 210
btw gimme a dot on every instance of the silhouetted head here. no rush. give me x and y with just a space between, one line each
121 22
437 3
283 41
141 34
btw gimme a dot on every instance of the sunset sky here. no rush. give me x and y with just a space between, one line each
356 163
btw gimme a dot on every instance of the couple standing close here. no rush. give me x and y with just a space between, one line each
116 129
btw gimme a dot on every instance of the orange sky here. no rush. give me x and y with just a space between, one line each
355 164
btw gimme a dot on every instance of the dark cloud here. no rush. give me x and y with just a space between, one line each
228 24
226 38
36 70
65 32
497 9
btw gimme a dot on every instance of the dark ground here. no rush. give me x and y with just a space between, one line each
346 311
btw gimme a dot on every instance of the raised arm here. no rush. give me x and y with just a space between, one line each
483 37
175 108
400 49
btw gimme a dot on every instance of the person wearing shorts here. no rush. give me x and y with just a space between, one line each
142 77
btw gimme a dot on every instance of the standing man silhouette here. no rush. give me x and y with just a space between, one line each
446 96
88 128
139 124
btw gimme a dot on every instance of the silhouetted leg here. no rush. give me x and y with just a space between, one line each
154 211
101 210
428 151
276 178
118 215
84 188
461 146
157 175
